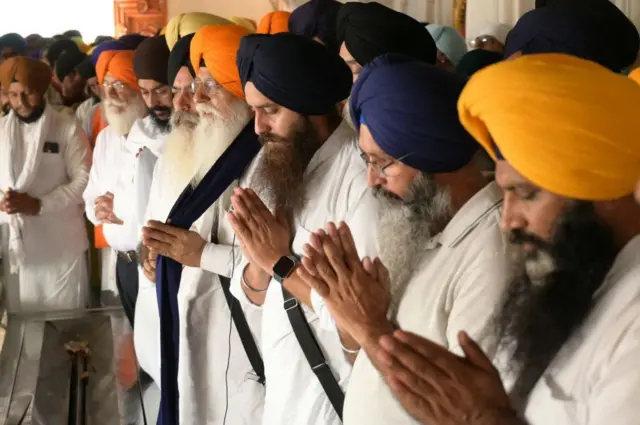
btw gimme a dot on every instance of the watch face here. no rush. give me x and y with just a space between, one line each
283 267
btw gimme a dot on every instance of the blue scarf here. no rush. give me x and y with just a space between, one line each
191 204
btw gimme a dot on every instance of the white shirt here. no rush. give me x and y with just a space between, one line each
121 167
595 379
460 279
335 190
84 114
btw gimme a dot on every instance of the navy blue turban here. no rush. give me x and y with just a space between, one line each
132 40
594 30
371 29
410 108
295 72
107 46
179 57
317 18
15 42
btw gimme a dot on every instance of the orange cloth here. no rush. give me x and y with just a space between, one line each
635 75
274 22
31 73
218 45
118 64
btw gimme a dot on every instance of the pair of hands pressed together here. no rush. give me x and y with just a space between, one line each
103 209
19 203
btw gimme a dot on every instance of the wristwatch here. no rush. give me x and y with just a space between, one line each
284 267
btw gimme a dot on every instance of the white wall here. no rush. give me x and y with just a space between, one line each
48 17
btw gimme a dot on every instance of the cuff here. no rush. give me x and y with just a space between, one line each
217 259
326 321
47 204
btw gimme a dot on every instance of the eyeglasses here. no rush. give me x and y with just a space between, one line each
382 170
208 86
188 90
483 39
117 86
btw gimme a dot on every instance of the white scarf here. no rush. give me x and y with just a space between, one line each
10 135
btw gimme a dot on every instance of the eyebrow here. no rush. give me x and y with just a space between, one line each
153 88
265 105
522 185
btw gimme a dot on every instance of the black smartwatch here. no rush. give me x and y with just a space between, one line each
284 267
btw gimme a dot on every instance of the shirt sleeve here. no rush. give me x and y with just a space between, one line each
94 188
77 162
218 259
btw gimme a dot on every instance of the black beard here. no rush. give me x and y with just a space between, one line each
162 124
281 169
6 108
33 116
539 316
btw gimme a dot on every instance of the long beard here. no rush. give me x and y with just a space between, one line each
121 115
405 226
178 155
346 114
282 164
215 133
551 293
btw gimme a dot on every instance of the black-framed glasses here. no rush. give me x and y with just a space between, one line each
382 170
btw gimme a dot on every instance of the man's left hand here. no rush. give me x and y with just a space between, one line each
436 386
264 237
183 246
19 203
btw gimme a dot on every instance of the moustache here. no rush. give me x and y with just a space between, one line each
271 138
519 237
381 193
159 109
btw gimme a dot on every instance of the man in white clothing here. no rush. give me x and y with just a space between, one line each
438 234
310 174
569 326
44 169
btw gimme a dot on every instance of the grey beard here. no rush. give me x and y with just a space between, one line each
405 226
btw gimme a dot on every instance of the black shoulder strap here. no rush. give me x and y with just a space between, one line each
249 344
312 351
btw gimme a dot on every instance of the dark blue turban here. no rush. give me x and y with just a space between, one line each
294 71
475 60
132 40
410 108
317 18
371 29
15 42
594 30
105 47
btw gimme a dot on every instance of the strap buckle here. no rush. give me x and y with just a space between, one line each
323 364
290 304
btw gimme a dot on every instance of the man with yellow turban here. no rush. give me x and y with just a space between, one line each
196 254
44 168
635 75
561 130
187 23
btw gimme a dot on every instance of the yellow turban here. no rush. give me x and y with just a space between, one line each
218 45
274 23
188 23
244 22
568 125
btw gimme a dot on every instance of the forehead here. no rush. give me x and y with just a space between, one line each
183 77
149 84
110 78
204 74
254 97
507 176
16 86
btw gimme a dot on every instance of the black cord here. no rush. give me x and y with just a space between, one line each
226 373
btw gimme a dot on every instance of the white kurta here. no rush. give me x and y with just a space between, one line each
336 190
595 379
84 114
53 274
460 280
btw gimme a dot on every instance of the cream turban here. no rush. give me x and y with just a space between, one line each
188 23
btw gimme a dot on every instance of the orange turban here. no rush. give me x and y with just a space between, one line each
274 22
218 45
31 73
635 75
568 125
118 64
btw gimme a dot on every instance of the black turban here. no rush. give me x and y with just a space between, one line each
476 60
295 72
132 40
56 49
150 60
179 57
317 18
15 42
86 68
595 30
67 62
371 29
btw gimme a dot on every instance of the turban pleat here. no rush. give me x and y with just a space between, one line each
86 68
410 108
295 72
57 48
249 24
31 73
371 29
150 60
118 64
566 124
107 46
218 46
188 23
317 18
67 62
179 57
448 41
274 23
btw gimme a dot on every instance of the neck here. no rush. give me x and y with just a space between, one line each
621 216
463 185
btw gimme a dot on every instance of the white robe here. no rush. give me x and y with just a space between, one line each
49 160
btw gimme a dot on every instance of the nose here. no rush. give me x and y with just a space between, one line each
511 217
184 102
261 126
373 178
199 96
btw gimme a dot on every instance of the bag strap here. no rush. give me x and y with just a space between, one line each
249 344
312 351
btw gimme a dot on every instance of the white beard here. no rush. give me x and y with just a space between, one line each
346 114
214 134
178 156
122 122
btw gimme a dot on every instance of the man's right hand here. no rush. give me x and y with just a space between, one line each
103 209
149 266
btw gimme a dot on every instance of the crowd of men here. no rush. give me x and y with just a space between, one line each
339 214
